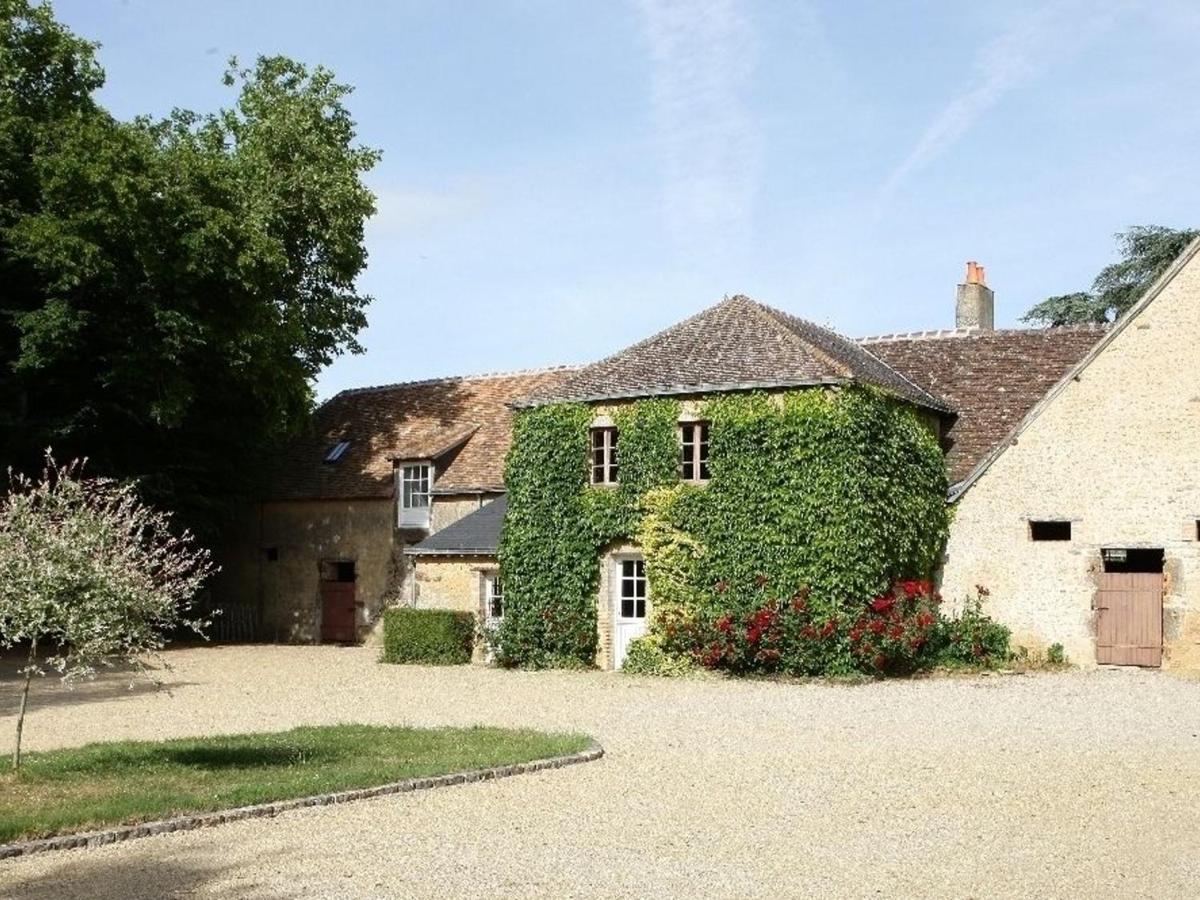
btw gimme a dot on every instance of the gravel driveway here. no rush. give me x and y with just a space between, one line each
1081 784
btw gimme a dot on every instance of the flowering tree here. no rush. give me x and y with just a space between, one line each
89 576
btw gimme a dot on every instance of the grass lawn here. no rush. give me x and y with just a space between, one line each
132 781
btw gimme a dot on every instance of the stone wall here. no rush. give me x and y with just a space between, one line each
449 582
299 534
1115 452
449 508
274 561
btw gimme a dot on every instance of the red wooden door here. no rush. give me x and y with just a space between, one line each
339 613
1129 619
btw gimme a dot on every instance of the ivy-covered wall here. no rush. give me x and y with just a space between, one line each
839 491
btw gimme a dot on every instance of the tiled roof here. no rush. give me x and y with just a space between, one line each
737 344
1103 339
992 378
465 424
475 534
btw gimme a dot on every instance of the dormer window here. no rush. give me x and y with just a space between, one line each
337 451
693 451
604 456
416 485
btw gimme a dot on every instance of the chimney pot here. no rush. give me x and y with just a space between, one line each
975 304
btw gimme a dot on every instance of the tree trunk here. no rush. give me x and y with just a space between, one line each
24 703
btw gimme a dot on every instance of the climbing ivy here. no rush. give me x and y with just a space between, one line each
839 493
557 523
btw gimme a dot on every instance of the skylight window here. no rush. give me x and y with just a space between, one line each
337 451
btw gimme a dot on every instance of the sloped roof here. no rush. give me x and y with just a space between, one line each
475 534
464 424
736 345
992 378
1181 262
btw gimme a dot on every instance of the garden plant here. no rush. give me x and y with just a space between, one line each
90 576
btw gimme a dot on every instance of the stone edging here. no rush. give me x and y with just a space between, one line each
268 810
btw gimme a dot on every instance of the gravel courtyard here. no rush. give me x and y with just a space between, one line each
1080 784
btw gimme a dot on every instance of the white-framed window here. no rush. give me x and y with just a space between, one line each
633 589
493 598
415 485
604 455
693 451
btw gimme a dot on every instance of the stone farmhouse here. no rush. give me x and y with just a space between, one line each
1071 454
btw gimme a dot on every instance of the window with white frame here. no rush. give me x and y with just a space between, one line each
604 456
416 483
693 451
493 597
633 589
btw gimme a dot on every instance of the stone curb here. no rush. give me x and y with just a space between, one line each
269 810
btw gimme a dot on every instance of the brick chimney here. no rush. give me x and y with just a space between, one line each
975 304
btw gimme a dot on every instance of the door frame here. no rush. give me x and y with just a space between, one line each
615 618
332 563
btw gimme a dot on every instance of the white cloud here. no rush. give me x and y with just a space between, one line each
703 54
1018 55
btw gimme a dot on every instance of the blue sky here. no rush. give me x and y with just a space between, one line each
564 177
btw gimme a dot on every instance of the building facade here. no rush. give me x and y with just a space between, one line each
1083 522
1070 453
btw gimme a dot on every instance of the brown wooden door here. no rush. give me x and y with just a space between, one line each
338 612
1129 619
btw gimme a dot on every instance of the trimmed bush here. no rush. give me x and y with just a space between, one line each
646 656
440 637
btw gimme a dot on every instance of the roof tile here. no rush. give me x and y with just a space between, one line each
992 378
737 344
465 424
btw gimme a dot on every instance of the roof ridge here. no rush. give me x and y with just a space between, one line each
444 379
845 366
646 340
774 315
974 331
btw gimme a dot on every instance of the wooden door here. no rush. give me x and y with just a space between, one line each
1129 619
339 613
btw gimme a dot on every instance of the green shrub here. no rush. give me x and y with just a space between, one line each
434 636
1056 655
646 656
973 638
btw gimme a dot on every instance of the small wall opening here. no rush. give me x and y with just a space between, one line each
1050 530
341 570
1132 559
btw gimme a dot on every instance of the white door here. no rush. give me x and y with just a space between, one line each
629 605
493 606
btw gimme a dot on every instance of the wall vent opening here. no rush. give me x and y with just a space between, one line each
1050 530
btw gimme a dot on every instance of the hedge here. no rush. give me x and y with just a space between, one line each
434 636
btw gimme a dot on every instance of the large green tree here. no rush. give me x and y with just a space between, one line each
170 288
1146 251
